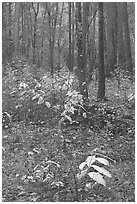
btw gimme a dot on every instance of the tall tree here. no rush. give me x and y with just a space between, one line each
120 31
52 9
70 67
4 40
111 36
35 7
81 52
42 38
91 46
84 32
73 35
127 39
16 28
60 37
101 82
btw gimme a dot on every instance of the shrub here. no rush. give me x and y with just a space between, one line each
30 99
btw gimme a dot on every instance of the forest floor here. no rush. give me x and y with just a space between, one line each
27 148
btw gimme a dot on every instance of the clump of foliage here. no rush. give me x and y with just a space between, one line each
26 98
91 168
47 174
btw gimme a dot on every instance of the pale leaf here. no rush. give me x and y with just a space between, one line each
40 101
82 174
52 162
47 104
90 160
102 161
68 117
23 193
102 170
81 166
22 93
97 177
35 97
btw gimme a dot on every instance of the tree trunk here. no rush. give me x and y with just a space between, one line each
69 62
59 37
16 29
42 39
4 34
52 21
36 11
73 36
80 57
84 32
91 47
101 82
111 34
120 31
127 39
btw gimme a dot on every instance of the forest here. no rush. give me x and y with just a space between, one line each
68 101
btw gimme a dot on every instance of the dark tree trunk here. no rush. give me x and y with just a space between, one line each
111 35
36 11
16 29
59 38
73 36
80 58
69 63
127 39
101 82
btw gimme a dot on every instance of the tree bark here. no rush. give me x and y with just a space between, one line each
120 31
16 29
111 35
73 36
59 37
127 39
80 57
69 63
101 82
52 21
36 11
84 32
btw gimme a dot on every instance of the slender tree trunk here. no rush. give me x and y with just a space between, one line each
28 30
91 47
69 63
10 40
120 36
36 11
42 39
111 33
84 32
59 37
101 83
4 34
80 59
16 29
53 37
52 18
73 36
127 39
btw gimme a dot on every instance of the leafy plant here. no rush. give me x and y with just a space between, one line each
91 168
32 100
42 173
72 104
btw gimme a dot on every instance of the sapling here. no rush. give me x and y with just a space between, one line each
91 167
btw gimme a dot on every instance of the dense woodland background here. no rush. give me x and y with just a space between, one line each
68 92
